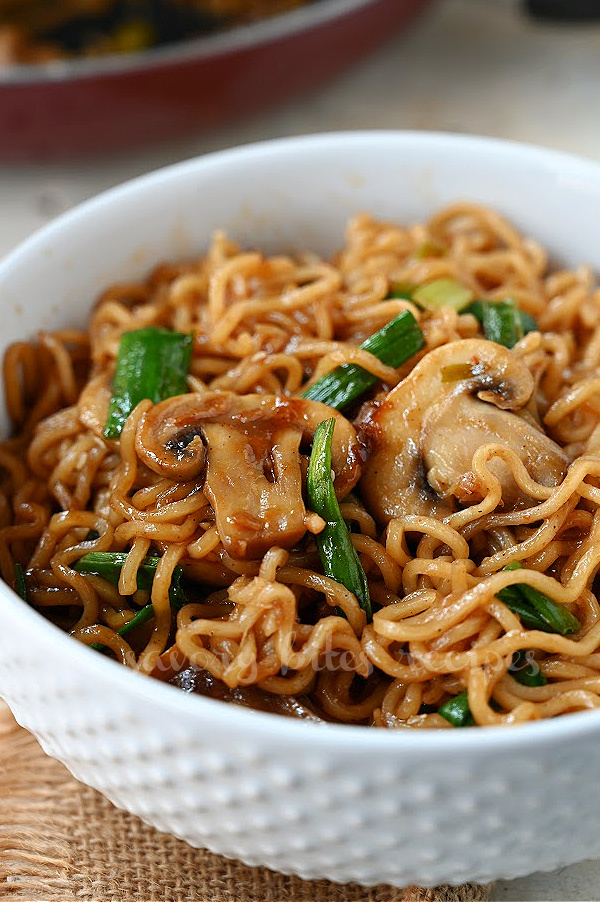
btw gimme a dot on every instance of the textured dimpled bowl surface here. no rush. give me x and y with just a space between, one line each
347 803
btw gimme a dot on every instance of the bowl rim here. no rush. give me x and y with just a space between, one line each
314 14
265 725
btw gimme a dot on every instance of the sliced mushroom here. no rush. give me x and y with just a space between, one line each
422 437
192 679
247 449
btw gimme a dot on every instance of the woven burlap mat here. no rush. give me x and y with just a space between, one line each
60 840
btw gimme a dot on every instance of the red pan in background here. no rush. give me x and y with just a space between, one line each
92 106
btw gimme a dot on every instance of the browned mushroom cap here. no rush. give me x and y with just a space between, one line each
422 437
247 447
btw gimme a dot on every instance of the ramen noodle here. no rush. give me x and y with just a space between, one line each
198 541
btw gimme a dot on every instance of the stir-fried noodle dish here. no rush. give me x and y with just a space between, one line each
42 31
362 491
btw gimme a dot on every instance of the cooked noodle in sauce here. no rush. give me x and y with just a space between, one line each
454 585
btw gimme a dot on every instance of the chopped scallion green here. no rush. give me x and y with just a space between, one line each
536 610
442 293
152 363
108 565
502 321
456 372
20 582
393 345
338 555
143 616
525 669
456 711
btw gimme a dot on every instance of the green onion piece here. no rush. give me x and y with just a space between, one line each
457 712
528 322
455 372
525 670
20 582
514 565
402 290
502 321
393 345
108 565
143 616
558 618
152 363
536 610
515 602
338 555
442 293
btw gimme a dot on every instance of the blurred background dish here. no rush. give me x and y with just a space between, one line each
94 104
35 31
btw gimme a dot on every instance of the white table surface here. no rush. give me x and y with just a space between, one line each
469 66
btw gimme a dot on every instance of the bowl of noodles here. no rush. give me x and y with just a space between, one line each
85 77
300 504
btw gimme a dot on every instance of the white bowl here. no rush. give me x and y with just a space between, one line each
342 802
